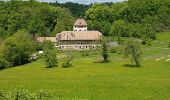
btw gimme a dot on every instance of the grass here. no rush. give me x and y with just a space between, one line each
163 36
88 80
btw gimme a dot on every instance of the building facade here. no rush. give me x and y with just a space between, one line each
80 38
80 25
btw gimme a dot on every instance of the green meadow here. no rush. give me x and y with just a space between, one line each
163 36
88 79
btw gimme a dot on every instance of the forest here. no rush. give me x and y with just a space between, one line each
136 18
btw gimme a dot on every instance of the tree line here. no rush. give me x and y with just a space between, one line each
35 17
76 9
132 18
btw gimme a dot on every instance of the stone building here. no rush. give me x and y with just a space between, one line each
80 38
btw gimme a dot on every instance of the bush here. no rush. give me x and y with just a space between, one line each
133 51
22 94
3 63
113 49
105 53
18 48
85 53
49 54
50 58
69 58
66 64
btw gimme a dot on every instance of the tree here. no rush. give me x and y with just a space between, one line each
35 17
69 58
18 48
76 9
105 52
100 17
133 51
64 22
118 29
47 45
50 56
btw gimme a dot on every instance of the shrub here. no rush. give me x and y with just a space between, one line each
22 94
85 53
66 64
105 54
113 49
49 54
50 58
69 58
18 48
133 51
3 63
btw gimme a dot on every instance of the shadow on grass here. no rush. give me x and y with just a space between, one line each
104 62
131 66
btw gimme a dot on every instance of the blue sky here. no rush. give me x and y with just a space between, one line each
82 1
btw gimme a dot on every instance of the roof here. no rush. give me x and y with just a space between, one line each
80 22
42 39
79 35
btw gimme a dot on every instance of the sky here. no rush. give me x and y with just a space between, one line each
81 1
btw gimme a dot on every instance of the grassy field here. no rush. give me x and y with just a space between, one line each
163 36
90 80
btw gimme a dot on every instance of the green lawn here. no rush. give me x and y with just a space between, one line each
88 80
163 36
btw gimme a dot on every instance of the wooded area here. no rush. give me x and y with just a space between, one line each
139 18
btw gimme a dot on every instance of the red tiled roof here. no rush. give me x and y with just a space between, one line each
79 35
42 39
80 22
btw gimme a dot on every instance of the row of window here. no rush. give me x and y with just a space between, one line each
80 30
77 47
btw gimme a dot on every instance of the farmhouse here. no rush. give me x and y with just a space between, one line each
80 38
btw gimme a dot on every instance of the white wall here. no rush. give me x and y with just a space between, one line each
79 28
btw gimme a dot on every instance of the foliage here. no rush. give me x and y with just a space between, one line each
50 58
49 54
105 52
132 50
23 94
18 48
47 45
76 9
3 63
140 17
69 58
99 18
35 17
85 52
115 49
64 22
119 29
